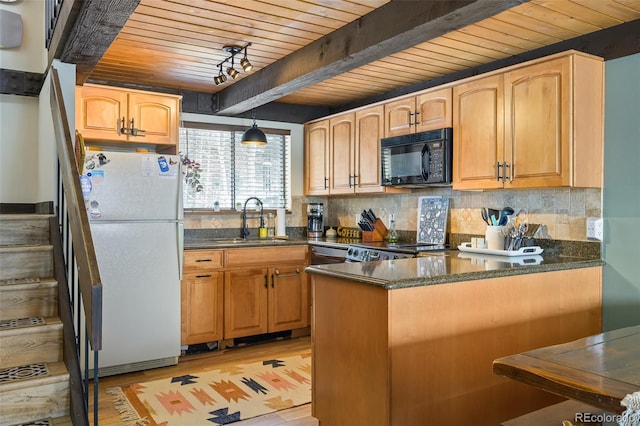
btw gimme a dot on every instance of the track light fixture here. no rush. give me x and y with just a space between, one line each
232 50
220 78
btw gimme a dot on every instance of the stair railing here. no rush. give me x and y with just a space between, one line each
80 264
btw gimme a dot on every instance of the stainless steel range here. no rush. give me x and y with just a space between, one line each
367 252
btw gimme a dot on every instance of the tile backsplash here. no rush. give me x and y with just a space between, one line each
563 210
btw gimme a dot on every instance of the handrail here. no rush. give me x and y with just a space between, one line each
89 280
78 397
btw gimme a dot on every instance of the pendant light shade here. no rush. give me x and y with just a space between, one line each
254 136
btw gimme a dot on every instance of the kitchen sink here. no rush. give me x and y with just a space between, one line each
240 241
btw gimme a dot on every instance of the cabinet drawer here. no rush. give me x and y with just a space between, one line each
265 256
195 260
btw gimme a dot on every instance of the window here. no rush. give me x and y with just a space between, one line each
231 172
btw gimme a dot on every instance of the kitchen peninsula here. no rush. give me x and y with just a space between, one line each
411 341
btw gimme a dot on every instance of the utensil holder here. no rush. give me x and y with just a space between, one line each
378 234
494 238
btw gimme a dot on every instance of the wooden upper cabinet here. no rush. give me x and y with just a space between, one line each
99 113
434 110
316 158
341 154
478 133
106 114
554 123
428 110
369 131
398 117
535 125
156 115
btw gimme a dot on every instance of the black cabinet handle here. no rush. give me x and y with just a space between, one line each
203 276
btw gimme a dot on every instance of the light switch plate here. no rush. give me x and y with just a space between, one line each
595 227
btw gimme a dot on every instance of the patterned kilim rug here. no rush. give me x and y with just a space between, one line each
218 396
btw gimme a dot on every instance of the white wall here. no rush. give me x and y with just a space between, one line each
27 147
20 173
46 141
31 56
19 160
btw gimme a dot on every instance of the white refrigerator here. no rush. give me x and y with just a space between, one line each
134 204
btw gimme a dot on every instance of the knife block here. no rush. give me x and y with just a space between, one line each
378 234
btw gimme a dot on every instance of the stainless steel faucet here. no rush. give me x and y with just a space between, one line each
244 232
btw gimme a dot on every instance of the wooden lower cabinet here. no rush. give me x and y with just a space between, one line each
243 292
201 307
423 355
288 298
264 300
245 302
201 297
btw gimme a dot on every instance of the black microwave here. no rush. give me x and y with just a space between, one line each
417 159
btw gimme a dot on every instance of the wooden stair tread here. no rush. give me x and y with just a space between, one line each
57 373
25 216
26 283
48 323
17 248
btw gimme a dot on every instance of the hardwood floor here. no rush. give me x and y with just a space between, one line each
297 416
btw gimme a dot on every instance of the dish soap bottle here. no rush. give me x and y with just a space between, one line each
392 234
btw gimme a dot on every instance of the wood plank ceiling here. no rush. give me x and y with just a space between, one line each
177 44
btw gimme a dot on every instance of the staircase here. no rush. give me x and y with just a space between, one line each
34 381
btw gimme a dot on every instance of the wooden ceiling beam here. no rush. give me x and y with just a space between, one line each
96 26
389 29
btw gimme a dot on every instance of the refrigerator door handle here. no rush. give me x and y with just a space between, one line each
180 212
180 238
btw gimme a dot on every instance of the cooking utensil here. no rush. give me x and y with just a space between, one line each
485 215
507 211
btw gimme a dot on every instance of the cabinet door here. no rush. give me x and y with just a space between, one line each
478 133
201 307
288 305
433 110
156 116
369 131
399 117
99 113
316 158
537 124
341 153
245 302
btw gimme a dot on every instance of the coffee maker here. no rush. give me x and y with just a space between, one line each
315 220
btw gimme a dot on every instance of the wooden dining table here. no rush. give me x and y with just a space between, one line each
598 370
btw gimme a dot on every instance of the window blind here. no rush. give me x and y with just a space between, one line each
231 172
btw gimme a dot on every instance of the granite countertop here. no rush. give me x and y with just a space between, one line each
204 243
448 267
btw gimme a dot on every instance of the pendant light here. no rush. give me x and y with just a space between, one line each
254 136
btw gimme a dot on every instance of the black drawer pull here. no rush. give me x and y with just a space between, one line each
204 260
203 276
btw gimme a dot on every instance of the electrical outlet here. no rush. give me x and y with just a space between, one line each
595 228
